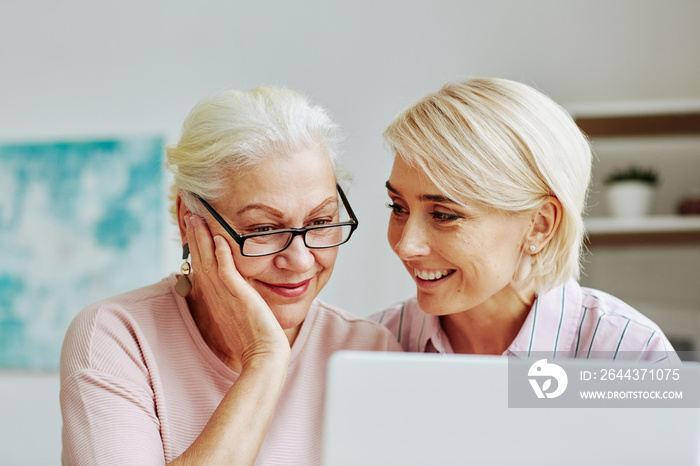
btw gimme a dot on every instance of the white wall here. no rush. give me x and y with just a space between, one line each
83 68
30 419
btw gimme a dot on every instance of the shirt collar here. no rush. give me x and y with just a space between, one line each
551 324
431 337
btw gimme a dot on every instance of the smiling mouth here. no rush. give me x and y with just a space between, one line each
432 275
289 290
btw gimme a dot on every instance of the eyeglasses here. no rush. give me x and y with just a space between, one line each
272 242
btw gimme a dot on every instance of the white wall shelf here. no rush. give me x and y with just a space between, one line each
649 224
658 228
636 121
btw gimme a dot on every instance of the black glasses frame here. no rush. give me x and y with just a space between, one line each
240 239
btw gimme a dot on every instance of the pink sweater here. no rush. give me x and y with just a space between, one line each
138 382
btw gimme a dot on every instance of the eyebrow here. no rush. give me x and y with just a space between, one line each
263 207
439 198
276 213
323 205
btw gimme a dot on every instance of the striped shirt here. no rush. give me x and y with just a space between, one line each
568 321
139 383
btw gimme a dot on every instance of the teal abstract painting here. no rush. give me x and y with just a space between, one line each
79 222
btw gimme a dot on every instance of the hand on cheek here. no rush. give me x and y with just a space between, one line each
241 325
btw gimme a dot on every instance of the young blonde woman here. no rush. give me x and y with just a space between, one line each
487 192
225 364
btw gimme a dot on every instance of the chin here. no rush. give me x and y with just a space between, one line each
437 305
291 315
429 304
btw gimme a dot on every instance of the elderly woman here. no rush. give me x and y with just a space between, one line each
487 192
225 364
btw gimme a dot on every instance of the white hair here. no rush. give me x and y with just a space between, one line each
234 131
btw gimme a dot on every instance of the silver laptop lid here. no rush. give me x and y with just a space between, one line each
427 409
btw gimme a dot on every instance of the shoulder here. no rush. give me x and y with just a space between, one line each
139 307
583 305
397 313
411 326
349 331
401 317
604 306
115 329
613 325
110 376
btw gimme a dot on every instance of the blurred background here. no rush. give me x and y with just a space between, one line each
81 71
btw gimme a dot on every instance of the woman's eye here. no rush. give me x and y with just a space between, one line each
324 221
260 229
445 216
396 209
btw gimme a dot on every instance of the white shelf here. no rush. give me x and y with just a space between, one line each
631 108
643 225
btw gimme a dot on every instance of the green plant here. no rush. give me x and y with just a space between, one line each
633 173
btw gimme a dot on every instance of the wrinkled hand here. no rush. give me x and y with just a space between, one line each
235 321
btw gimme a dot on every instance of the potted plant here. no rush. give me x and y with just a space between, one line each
630 191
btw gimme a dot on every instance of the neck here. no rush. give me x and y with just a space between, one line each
292 334
490 327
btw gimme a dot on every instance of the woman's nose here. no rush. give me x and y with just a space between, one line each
297 257
412 240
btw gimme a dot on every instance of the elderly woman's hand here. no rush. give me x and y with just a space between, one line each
239 325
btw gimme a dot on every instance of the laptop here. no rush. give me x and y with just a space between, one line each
389 409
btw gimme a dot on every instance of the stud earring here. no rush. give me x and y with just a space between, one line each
183 285
532 248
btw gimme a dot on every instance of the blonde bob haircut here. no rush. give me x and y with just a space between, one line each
234 131
505 146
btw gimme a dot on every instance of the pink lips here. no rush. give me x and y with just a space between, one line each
427 284
289 290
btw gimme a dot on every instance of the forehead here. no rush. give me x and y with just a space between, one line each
290 183
410 181
403 173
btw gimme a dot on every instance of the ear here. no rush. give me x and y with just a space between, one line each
545 223
182 210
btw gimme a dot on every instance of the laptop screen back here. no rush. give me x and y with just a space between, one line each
427 409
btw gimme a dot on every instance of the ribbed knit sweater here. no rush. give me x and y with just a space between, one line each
139 383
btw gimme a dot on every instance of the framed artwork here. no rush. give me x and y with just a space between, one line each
80 221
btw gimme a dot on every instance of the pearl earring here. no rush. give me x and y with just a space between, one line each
532 248
183 284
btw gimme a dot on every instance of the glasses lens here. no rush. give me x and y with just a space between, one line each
323 237
328 236
266 244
